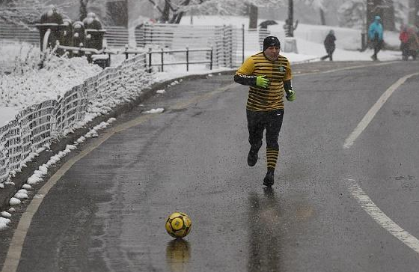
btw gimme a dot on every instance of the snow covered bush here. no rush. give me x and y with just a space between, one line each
27 84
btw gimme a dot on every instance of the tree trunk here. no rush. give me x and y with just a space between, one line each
178 16
253 17
165 17
322 17
83 9
388 16
289 22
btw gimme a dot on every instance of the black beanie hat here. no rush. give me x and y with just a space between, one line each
271 41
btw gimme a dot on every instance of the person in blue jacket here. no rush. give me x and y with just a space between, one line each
375 34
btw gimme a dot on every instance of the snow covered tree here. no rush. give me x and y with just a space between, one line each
117 13
353 14
171 11
400 12
23 12
320 5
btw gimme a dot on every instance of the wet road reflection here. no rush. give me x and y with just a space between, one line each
178 254
264 232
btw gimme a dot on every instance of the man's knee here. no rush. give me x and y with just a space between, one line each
255 143
272 143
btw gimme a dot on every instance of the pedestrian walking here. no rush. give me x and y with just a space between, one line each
329 45
375 34
269 76
412 43
404 38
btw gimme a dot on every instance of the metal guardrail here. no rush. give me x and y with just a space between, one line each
149 64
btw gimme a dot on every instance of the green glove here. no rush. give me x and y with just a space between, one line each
262 81
290 95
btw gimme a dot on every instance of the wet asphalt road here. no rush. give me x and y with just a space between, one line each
107 212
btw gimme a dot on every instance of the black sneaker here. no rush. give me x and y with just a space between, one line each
252 157
269 179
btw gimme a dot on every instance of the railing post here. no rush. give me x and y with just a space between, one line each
162 65
187 59
211 57
145 62
108 63
149 60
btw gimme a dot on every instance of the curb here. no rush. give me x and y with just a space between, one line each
20 178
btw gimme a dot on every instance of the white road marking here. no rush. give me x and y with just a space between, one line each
373 111
363 199
380 217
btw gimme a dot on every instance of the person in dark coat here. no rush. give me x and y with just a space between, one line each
329 45
404 45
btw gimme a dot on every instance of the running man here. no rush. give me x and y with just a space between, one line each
269 76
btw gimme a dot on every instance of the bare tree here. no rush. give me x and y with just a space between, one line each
116 13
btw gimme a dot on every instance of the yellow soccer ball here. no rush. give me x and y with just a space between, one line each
178 225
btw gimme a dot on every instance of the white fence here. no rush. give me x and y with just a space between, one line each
35 127
19 33
175 36
229 43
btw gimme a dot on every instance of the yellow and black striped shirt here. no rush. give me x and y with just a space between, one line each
277 72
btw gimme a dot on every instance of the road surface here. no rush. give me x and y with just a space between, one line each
345 196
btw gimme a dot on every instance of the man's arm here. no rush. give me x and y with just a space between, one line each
290 94
287 86
244 74
245 79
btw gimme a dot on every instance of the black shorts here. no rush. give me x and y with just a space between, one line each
258 121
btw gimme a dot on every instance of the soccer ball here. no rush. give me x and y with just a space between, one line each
178 225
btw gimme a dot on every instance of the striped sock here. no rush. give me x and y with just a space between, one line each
271 157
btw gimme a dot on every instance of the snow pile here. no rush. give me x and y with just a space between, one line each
158 110
13 52
42 171
4 222
121 84
28 85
